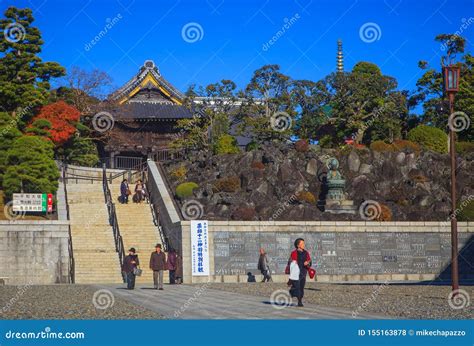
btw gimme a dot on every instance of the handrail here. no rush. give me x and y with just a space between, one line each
138 169
119 247
156 220
72 263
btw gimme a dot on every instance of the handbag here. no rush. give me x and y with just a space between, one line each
137 271
311 272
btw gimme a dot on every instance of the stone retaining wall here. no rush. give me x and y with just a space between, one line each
34 252
343 251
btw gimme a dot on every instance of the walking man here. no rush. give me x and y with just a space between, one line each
263 266
172 265
158 265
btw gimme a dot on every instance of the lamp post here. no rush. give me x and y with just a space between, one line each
451 86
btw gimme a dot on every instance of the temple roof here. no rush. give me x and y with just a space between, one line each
151 111
148 86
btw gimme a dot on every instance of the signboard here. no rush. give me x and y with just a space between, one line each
36 202
199 248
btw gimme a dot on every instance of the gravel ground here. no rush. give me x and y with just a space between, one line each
397 300
66 302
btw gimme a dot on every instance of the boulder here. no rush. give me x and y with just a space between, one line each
312 167
353 161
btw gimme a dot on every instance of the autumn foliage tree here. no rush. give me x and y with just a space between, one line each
63 119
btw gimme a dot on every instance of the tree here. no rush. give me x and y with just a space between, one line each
8 133
28 170
24 77
62 118
268 111
430 88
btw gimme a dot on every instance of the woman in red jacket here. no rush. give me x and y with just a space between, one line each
302 259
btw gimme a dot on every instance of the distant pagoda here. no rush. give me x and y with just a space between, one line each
340 57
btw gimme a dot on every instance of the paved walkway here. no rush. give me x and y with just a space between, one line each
200 302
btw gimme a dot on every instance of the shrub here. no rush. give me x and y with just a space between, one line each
404 145
257 165
326 142
464 147
251 146
226 144
385 213
244 214
381 146
185 190
230 184
466 210
306 196
30 167
301 145
430 138
179 173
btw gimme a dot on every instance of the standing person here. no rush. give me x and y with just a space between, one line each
299 262
179 269
172 265
139 191
158 265
130 263
263 266
124 191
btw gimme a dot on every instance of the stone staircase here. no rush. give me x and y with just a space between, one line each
137 230
96 260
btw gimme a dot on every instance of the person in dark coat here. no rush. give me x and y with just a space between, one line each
124 191
158 265
263 266
303 259
172 265
179 269
130 263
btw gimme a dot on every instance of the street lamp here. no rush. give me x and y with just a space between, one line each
451 86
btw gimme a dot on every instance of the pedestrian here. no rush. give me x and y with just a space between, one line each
171 263
178 274
124 191
158 265
299 263
130 264
264 267
139 191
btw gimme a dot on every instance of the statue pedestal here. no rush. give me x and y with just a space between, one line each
340 206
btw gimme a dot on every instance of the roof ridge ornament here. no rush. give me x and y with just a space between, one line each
150 65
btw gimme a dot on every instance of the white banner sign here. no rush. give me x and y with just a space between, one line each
199 248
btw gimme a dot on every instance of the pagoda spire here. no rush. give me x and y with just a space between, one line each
340 57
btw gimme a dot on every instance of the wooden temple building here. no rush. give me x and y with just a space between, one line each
145 113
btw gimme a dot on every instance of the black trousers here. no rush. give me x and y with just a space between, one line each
266 275
130 281
297 288
172 278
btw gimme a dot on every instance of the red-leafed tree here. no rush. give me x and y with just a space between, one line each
63 119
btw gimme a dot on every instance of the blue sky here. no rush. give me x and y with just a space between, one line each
230 44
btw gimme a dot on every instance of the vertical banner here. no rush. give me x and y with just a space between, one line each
199 248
